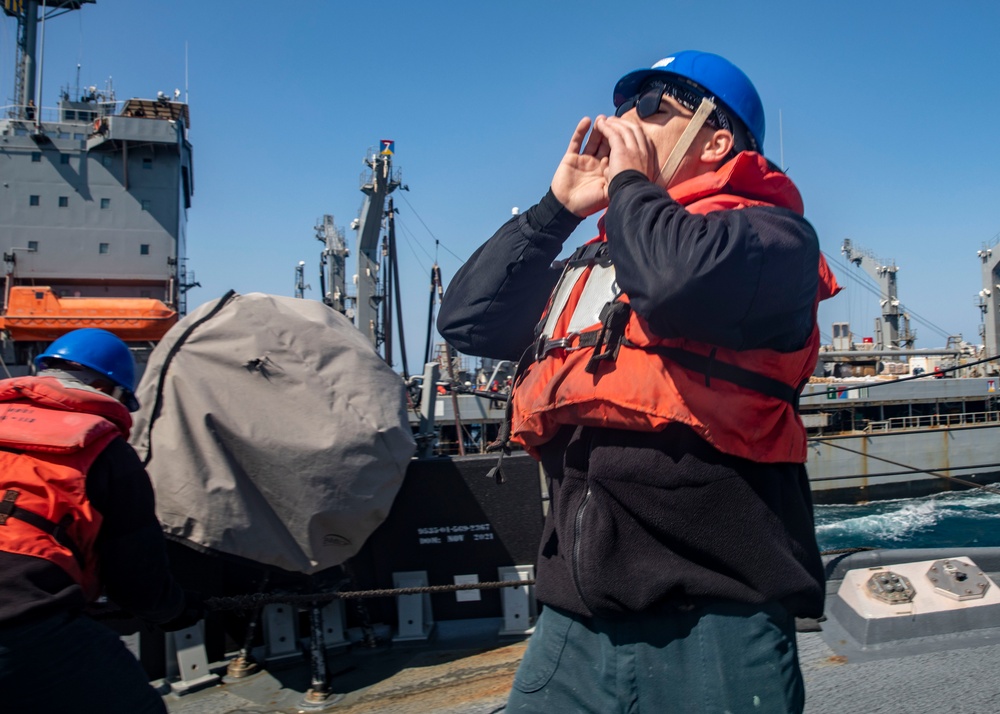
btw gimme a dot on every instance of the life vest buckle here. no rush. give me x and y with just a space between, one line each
544 345
7 506
614 317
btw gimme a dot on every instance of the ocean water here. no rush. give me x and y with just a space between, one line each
954 519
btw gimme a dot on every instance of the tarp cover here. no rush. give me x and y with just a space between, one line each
272 431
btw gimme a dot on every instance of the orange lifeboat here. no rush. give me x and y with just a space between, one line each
37 314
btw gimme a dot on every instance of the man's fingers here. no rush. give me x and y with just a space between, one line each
618 135
577 141
596 143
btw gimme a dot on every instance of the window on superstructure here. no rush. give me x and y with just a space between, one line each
64 159
63 201
103 248
106 160
147 163
146 204
105 203
36 156
144 249
34 200
32 246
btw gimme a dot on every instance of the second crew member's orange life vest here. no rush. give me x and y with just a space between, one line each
597 363
50 435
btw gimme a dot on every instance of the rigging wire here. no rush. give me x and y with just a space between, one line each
866 282
452 253
406 236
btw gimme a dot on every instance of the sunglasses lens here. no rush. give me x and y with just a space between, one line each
625 107
649 103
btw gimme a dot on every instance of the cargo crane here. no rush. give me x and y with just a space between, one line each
888 332
989 297
371 297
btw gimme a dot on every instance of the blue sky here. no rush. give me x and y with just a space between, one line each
887 115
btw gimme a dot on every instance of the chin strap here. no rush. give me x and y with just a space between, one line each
684 142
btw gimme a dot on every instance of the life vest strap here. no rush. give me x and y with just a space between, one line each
59 531
716 369
587 254
609 338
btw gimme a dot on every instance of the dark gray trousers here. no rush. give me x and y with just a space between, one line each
718 657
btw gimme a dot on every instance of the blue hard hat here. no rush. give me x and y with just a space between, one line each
715 76
100 351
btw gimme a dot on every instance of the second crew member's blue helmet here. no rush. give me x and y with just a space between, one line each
100 351
706 74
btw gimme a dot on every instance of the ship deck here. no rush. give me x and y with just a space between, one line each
466 668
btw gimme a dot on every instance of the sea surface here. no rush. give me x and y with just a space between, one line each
947 520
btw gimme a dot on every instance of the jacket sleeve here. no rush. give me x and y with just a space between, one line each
740 279
131 548
492 305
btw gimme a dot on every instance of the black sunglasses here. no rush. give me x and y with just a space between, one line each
646 103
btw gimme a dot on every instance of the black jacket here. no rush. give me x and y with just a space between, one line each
639 521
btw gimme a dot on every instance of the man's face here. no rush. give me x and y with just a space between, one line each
664 128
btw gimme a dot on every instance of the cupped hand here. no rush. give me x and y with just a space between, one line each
629 147
580 183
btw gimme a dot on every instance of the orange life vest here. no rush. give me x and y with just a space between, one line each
597 363
50 435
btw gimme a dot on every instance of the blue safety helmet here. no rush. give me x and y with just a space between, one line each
100 351
713 75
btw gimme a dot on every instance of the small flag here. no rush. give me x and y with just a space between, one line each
388 147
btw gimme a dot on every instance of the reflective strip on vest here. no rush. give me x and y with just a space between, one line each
601 288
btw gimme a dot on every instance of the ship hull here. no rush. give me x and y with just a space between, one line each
853 468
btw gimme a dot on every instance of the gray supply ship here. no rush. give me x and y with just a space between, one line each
887 420
93 206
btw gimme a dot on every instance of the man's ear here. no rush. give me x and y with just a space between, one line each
717 147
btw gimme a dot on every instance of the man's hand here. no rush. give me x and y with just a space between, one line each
580 182
628 146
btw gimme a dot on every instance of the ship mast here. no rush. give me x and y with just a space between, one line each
888 334
371 295
333 265
26 11
989 297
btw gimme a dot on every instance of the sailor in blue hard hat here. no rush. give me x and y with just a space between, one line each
678 546
97 358
686 115
78 522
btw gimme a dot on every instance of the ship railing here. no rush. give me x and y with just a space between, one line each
54 115
932 421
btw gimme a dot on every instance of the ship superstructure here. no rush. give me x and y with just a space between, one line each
93 210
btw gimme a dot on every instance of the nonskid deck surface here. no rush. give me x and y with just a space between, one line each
923 668
408 679
959 681
415 680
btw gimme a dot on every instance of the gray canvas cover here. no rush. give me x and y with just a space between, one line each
272 431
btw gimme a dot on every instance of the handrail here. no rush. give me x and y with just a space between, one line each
53 115
930 421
